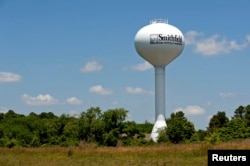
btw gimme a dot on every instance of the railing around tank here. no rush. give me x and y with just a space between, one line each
159 21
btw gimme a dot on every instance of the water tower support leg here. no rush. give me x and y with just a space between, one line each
159 91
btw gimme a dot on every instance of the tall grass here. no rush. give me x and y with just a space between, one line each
182 154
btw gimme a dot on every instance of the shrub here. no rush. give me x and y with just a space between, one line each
110 139
11 143
213 138
163 137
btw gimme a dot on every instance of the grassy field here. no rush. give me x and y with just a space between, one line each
184 155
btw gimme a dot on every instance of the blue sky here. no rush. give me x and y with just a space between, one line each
68 56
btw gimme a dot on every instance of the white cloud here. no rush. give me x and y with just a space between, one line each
74 101
98 89
213 45
6 77
91 66
190 37
142 66
226 95
138 90
39 100
191 110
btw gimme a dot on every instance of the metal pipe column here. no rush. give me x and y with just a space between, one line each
159 92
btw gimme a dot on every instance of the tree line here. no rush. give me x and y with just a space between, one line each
111 128
93 125
220 128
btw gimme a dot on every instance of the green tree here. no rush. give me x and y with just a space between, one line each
61 123
110 139
113 124
71 132
163 137
129 128
199 136
97 130
179 129
16 128
145 127
247 115
234 129
11 114
239 112
47 132
113 118
1 117
217 121
49 115
243 113
90 126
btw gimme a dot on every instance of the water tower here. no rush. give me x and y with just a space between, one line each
159 43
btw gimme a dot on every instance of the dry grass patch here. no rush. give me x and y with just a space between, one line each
185 155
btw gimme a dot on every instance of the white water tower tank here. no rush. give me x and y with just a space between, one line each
159 42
